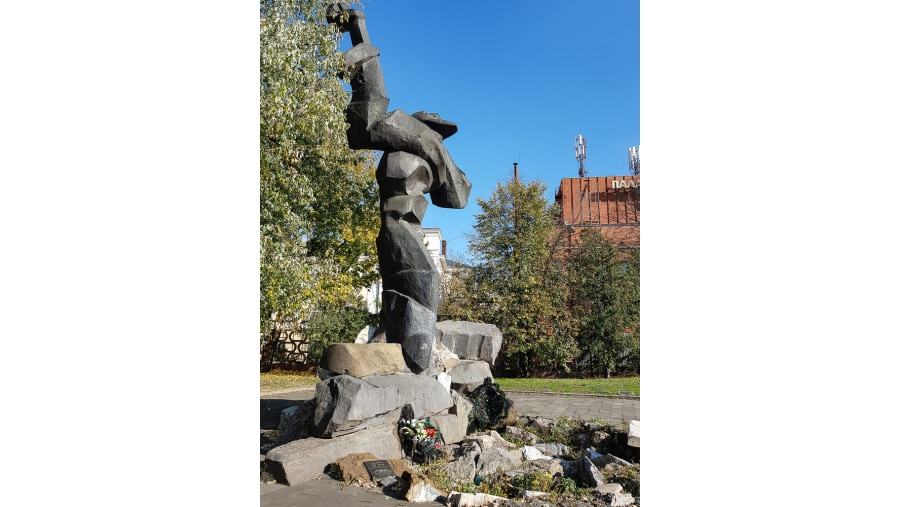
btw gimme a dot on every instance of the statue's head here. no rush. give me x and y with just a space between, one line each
434 121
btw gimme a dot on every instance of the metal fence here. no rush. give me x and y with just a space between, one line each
285 348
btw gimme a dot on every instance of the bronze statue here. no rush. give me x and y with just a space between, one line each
415 162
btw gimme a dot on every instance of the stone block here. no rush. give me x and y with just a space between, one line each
305 459
445 380
345 404
468 375
522 435
455 424
583 472
609 488
553 449
497 459
606 459
366 334
295 422
482 441
417 488
364 359
634 433
461 469
617 499
442 358
457 499
552 466
470 340
499 440
529 453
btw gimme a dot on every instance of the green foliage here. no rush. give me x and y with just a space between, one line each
318 198
517 282
629 477
455 285
543 481
604 284
572 385
497 485
566 485
564 431
533 481
334 324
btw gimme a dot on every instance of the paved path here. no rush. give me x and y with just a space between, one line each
327 491
576 406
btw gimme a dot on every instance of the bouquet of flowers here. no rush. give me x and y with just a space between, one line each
421 439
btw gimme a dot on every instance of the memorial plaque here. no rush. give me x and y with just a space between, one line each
379 469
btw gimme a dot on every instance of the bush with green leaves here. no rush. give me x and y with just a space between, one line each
517 281
605 298
318 198
334 324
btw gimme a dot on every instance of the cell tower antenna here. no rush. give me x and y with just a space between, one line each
581 154
634 160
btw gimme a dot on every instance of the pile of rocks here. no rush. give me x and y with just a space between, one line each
364 388
492 454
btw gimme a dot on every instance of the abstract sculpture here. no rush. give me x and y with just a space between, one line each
415 162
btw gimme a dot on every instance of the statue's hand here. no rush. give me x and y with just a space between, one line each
342 15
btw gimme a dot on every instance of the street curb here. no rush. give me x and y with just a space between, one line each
591 395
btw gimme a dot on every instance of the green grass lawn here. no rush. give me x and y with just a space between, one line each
276 382
284 381
572 385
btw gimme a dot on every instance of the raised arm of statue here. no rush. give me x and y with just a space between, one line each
371 127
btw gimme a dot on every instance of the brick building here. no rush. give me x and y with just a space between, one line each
612 204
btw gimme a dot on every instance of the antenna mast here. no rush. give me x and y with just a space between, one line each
634 160
581 154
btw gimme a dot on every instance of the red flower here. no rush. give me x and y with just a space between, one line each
430 432
437 445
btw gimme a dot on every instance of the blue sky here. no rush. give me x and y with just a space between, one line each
522 80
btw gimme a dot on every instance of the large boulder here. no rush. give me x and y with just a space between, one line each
460 470
295 422
470 340
345 404
305 459
583 471
469 375
363 359
455 423
496 459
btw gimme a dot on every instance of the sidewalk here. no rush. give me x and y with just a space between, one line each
327 491
576 406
